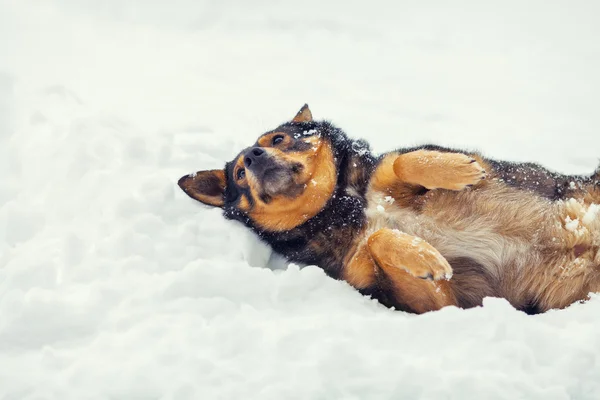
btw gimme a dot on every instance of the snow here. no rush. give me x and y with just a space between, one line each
115 285
571 224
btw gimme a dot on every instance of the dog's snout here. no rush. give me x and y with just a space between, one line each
253 155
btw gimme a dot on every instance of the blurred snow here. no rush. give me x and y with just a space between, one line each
115 285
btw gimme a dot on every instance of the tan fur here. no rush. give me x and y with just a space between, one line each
404 259
378 261
244 204
359 268
318 177
266 140
434 169
419 295
304 115
410 253
385 182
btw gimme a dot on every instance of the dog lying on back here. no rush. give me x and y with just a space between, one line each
417 229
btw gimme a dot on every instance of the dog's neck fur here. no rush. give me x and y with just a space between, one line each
342 218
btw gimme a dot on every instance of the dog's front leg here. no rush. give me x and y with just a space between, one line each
438 170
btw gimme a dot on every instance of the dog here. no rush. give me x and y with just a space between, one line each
418 228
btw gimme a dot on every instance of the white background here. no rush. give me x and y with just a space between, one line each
115 285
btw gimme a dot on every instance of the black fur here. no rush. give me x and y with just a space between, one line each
526 176
341 219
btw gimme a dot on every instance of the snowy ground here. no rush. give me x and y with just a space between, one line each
115 285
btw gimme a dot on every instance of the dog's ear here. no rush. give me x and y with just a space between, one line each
304 115
207 187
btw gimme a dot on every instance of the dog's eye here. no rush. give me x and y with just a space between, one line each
241 173
277 139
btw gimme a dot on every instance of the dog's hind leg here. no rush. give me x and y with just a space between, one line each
414 271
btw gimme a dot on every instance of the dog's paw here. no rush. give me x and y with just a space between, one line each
437 170
460 171
410 253
425 262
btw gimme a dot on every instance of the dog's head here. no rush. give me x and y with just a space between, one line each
277 184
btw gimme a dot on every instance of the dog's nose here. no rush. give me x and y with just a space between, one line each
253 155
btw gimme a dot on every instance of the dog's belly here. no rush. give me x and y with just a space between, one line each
500 244
477 241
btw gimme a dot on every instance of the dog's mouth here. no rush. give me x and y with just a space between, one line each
276 181
277 178
281 180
